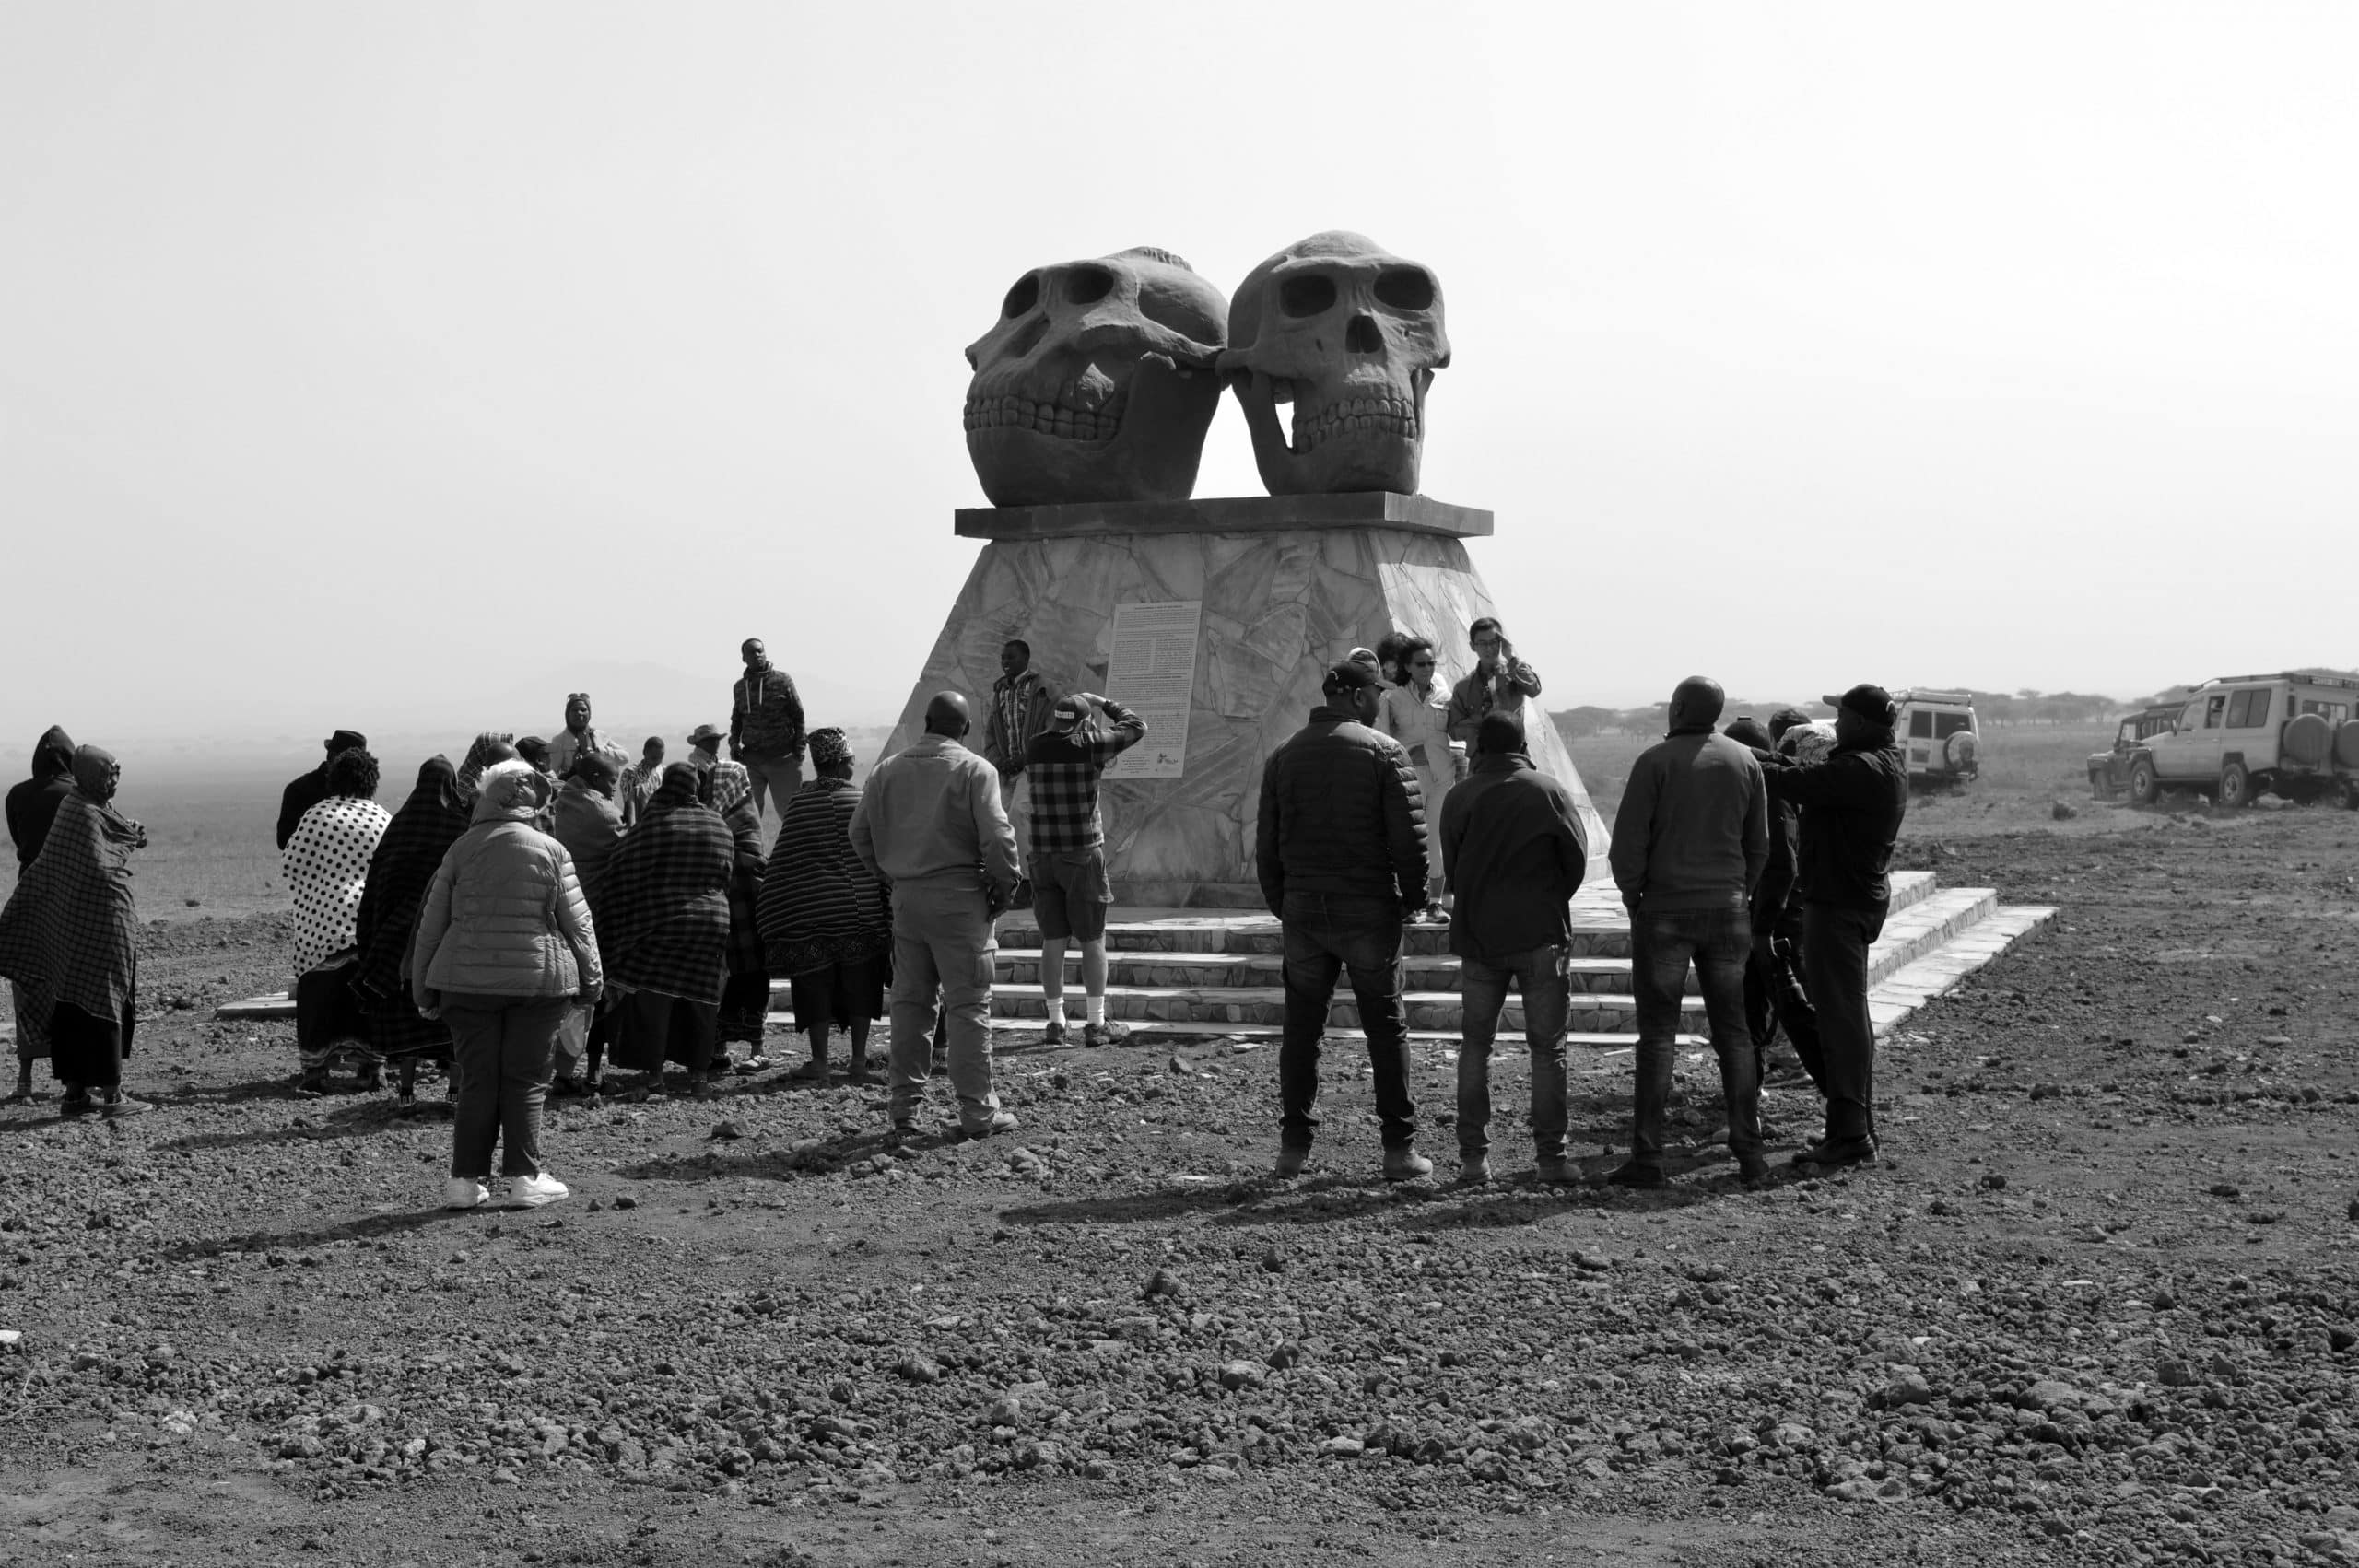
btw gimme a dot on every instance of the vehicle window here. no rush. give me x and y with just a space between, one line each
2130 730
2249 709
1920 725
1948 724
2333 712
2214 710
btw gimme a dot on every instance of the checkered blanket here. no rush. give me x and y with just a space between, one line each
71 931
663 910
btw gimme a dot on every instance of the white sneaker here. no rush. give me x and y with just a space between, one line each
531 1192
464 1192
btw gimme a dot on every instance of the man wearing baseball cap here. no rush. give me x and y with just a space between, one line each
1852 805
1070 890
1340 848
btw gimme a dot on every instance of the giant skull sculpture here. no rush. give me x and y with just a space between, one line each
1350 335
1096 383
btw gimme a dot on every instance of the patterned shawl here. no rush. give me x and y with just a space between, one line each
327 865
400 871
491 746
663 914
819 905
746 954
70 933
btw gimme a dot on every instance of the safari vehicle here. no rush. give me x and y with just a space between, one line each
1939 737
2109 770
2290 734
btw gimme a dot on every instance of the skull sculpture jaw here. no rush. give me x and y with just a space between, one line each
1098 382
1350 337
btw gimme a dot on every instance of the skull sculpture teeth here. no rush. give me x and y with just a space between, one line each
1096 383
1350 335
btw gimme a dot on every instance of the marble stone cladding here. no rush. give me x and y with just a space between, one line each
1279 606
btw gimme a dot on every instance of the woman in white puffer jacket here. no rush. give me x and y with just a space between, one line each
504 949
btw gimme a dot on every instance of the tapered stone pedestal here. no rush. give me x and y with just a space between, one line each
1288 585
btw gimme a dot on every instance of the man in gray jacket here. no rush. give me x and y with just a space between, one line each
1690 841
932 825
1339 848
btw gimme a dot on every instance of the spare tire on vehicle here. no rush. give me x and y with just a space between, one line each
2307 740
1960 750
2347 744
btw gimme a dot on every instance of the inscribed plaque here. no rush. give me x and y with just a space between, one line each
1152 672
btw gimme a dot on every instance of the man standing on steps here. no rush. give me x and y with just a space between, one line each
1691 839
1340 848
1070 890
1499 684
1513 854
1852 805
766 727
1022 700
931 824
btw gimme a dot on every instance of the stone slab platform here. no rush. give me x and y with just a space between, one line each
1230 514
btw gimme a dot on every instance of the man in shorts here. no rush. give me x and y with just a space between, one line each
1070 890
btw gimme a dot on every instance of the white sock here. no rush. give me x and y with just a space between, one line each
1097 1005
1057 1008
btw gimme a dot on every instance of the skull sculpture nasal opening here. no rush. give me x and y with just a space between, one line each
1098 382
1349 336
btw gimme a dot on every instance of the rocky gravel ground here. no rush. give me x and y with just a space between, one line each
2098 1302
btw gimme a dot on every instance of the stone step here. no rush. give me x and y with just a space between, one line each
1600 929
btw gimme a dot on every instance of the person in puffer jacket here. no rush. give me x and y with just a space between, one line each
1339 848
504 948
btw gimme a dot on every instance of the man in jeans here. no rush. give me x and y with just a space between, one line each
1070 890
766 727
930 823
1512 851
1690 842
1022 700
1340 848
1852 805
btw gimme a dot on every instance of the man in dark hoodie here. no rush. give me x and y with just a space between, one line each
308 791
32 807
1852 805
1340 849
32 804
1513 855
1691 839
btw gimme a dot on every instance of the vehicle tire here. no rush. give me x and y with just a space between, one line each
1960 751
2146 785
2347 744
2348 789
2307 740
2235 787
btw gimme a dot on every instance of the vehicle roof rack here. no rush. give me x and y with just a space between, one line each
2308 677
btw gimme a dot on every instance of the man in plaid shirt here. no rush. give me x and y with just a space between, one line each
1070 890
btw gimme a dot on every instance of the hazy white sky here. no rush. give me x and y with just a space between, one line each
358 355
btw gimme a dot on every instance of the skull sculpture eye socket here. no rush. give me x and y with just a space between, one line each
1308 296
1087 286
1023 297
1406 288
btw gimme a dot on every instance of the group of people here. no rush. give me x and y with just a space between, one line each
543 910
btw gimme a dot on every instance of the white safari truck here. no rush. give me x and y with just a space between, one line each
2292 734
1937 736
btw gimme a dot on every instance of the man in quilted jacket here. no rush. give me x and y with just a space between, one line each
1339 848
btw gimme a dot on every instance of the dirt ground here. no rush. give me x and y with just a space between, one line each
2097 1301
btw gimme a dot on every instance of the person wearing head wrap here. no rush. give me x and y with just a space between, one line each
1852 805
489 747
327 865
302 794
32 807
400 869
584 819
746 998
69 937
825 922
505 950
580 738
662 919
